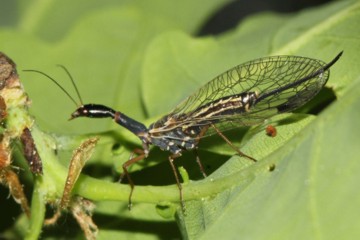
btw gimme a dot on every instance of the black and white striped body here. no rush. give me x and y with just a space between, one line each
178 133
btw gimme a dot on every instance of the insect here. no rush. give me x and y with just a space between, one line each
244 95
271 131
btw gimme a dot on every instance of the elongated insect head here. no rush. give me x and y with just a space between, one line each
93 111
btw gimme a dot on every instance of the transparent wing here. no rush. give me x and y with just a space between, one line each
282 84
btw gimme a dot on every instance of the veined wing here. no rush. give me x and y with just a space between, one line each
275 84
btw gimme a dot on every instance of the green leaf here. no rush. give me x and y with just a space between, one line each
315 176
177 61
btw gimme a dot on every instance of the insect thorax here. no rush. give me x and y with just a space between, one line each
175 140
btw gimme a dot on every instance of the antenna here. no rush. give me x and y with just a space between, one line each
73 83
61 87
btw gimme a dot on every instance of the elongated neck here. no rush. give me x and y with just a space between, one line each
132 125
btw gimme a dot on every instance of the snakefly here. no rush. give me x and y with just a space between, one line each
244 95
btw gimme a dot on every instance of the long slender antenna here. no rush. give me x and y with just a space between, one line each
73 82
54 81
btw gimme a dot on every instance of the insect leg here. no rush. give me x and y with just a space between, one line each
231 144
171 160
137 151
125 166
202 170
